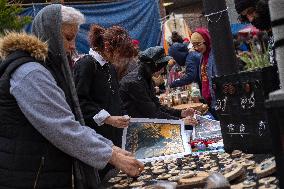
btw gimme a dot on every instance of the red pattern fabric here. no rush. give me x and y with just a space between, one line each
204 75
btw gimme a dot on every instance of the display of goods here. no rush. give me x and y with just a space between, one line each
192 172
202 108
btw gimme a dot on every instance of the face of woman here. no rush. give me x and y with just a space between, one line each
199 47
69 32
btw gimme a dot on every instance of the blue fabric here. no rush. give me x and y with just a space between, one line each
235 28
178 51
192 62
243 47
140 18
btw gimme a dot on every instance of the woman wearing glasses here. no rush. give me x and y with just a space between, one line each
201 42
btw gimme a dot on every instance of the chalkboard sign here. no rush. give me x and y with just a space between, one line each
240 107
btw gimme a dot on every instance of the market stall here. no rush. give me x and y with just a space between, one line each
247 159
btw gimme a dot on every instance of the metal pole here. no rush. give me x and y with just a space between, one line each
216 13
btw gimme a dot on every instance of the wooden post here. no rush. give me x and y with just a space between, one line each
162 9
222 39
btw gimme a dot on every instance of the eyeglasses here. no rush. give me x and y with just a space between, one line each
194 45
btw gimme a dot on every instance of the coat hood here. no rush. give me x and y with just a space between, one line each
179 53
47 25
13 41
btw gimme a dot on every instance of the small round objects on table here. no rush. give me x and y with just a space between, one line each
267 180
247 156
158 171
236 153
137 184
248 163
188 174
123 185
127 180
234 171
186 168
268 186
248 184
207 166
213 169
266 168
164 176
223 156
115 180
122 175
174 178
199 178
144 177
174 172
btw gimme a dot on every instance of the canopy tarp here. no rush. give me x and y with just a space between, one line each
140 18
235 28
250 29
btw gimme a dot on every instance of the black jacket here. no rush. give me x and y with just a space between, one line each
97 89
138 96
26 157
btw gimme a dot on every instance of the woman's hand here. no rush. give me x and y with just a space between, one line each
118 121
190 121
187 112
127 164
124 152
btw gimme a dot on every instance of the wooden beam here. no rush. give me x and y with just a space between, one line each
221 36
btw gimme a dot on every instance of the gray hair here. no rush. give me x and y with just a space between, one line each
71 16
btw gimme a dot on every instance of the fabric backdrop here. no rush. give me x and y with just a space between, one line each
139 17
235 28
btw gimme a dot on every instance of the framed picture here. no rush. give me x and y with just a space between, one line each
155 139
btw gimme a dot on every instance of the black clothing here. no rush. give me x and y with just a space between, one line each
241 5
22 148
97 89
138 96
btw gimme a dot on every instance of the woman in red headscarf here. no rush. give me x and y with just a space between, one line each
201 42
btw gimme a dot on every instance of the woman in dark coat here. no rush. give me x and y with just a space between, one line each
137 91
97 84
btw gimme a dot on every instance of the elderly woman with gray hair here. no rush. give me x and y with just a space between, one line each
41 127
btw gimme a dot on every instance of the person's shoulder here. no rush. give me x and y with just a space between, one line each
31 71
29 67
130 80
193 55
86 61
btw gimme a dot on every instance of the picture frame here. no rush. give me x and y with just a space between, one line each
155 139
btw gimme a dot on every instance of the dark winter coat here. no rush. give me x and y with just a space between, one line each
97 88
138 96
27 159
